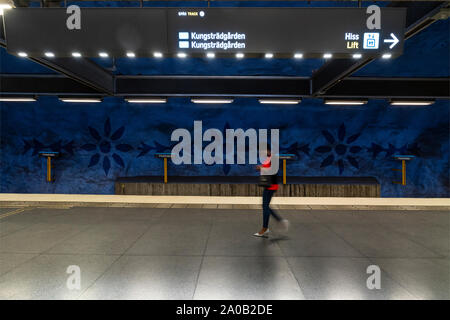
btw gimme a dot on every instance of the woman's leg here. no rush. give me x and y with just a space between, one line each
273 213
266 208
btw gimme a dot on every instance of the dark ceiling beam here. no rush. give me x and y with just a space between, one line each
413 88
419 16
81 69
186 86
16 84
212 86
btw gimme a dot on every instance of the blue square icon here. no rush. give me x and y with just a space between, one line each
371 40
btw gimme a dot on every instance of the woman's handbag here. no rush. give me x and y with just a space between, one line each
266 180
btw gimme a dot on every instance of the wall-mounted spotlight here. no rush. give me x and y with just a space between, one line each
80 99
17 99
386 56
345 102
76 54
280 101
146 100
160 55
403 102
327 55
357 56
212 100
239 55
49 54
298 55
22 54
131 54
103 55
210 55
268 55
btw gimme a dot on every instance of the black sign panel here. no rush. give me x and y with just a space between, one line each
281 31
285 30
115 31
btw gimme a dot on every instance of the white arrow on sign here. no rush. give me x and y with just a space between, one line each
394 41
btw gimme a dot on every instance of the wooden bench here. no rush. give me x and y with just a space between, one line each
247 186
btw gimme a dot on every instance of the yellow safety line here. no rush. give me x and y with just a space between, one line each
11 213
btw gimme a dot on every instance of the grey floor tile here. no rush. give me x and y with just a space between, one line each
302 216
131 214
9 261
187 216
103 238
7 228
45 277
380 242
342 279
424 278
244 278
38 237
344 217
236 239
172 239
315 240
31 216
139 277
433 237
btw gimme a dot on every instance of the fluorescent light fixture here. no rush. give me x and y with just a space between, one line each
76 54
210 55
22 54
327 55
103 55
80 100
386 56
17 99
357 56
160 55
4 6
131 54
239 55
268 55
342 102
49 54
211 100
298 55
146 100
181 55
411 102
280 101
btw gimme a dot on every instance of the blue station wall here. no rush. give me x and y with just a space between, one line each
102 141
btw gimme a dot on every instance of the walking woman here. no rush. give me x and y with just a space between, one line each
269 191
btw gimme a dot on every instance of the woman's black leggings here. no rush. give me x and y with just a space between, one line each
267 196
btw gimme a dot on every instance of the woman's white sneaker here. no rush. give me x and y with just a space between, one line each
265 234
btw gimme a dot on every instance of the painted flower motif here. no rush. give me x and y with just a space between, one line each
296 148
376 149
339 150
105 146
158 147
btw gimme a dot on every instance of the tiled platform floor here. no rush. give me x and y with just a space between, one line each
199 253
